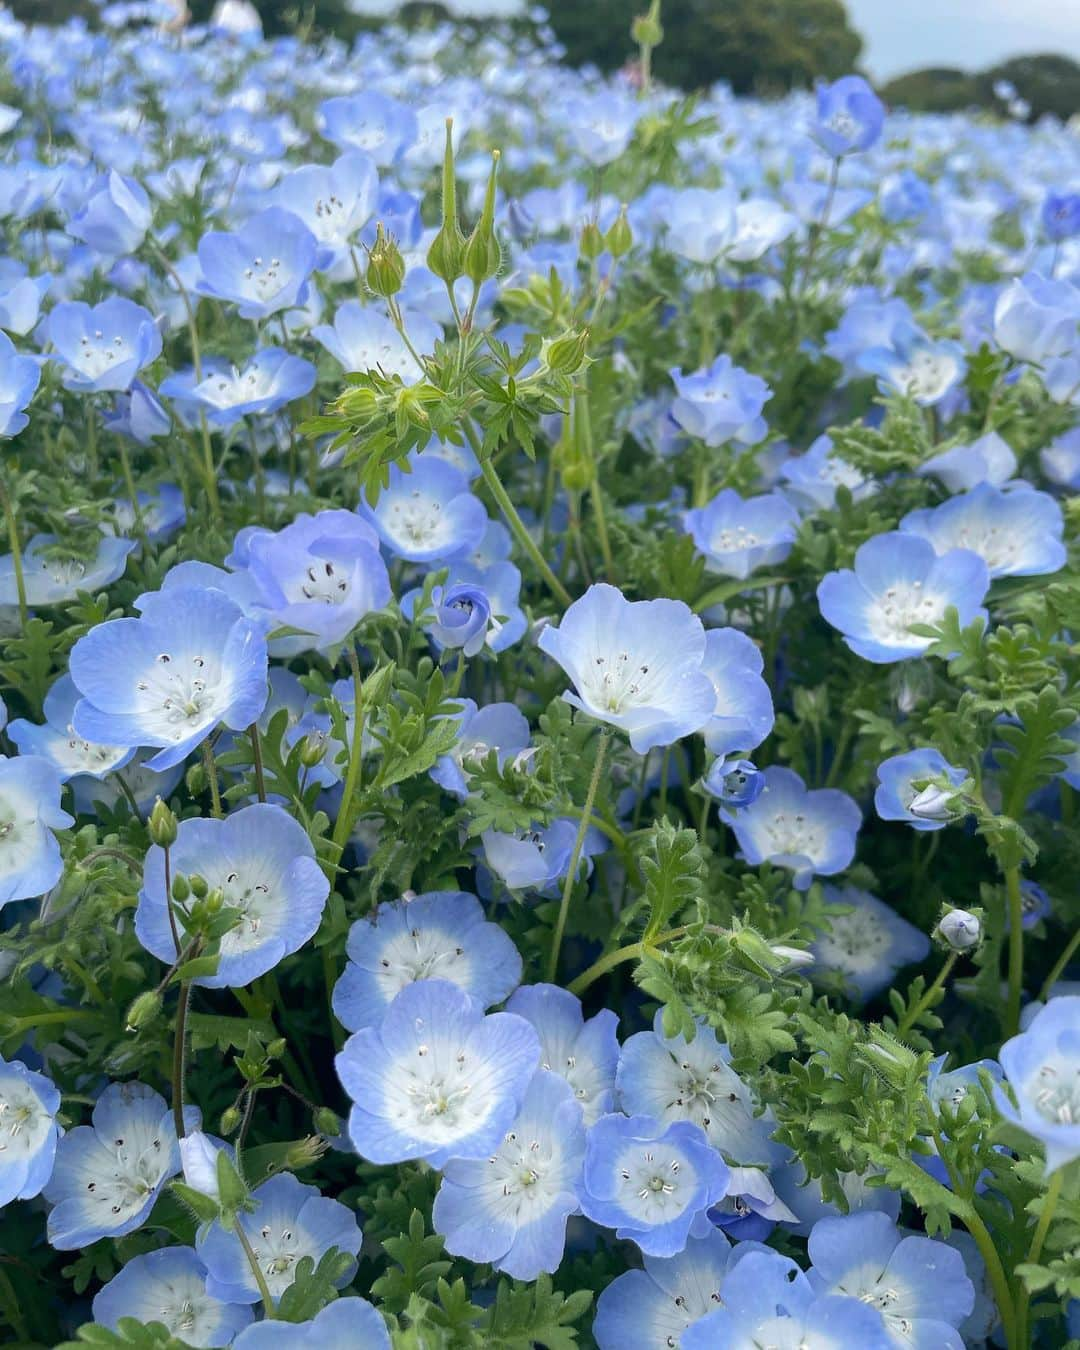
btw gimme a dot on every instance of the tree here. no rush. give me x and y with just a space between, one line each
936 89
1048 83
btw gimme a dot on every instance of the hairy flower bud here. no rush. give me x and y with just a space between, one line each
162 825
144 1009
961 930
386 266
483 256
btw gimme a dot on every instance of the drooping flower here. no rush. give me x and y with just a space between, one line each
289 1221
738 535
510 1209
169 1286
108 1174
115 217
263 267
810 831
30 812
264 864
743 715
652 1183
1017 534
428 515
899 581
539 858
1036 319
436 1079
168 678
1042 1066
584 1052
867 946
29 1103
897 798
636 665
441 935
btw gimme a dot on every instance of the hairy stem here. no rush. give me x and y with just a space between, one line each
575 856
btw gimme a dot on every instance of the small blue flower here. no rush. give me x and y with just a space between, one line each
672 1079
49 578
919 367
743 715
289 1222
57 741
500 584
363 339
264 863
373 122
584 1052
263 267
950 1089
868 321
1017 534
990 459
701 223
539 858
1060 215
899 581
1060 460
751 1208
30 859
272 378
511 1208
738 535
919 1285
334 201
502 727
109 1174
1034 904
19 379
29 1103
440 935
1042 1066
868 945
813 478
636 665
735 782
168 678
105 347
802 1194
348 1323
1035 318
720 403
896 797
162 512
428 515
437 1079
849 117
169 1286
20 297
652 1183
116 216
810 831
461 617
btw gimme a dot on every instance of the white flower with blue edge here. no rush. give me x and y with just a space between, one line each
743 714
868 945
104 347
333 200
1042 1066
57 741
348 1323
50 578
584 1051
263 267
1017 534
361 338
29 1103
738 535
897 797
169 1286
30 858
429 514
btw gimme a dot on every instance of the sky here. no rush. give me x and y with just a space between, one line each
902 35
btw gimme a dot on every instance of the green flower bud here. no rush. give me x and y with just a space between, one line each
162 825
143 1010
312 749
646 30
277 1048
199 887
483 256
181 889
446 255
386 266
232 1189
214 901
566 354
592 241
230 1120
620 238
327 1122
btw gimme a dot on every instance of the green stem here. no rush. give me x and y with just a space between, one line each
575 856
16 554
929 996
1059 965
178 1059
211 775
1038 1238
260 1279
634 951
1016 950
257 760
343 824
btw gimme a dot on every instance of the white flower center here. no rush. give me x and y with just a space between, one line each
900 606
100 353
656 1182
24 1123
1056 1092
181 694
263 278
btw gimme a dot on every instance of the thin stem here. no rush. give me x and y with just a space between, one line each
1016 950
178 1059
634 951
575 856
169 901
1059 965
1038 1238
821 226
343 824
129 796
929 996
16 554
257 760
260 1279
211 775
129 481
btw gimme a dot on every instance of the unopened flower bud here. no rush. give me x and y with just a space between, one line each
312 749
932 803
620 238
483 256
446 256
198 1158
277 1048
386 266
735 782
565 355
181 889
327 1122
162 825
143 1010
592 241
200 889
230 1120
961 930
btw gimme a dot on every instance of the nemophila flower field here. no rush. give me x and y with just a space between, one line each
539 643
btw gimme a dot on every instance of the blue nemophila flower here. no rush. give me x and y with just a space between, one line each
29 1103
899 581
751 1209
104 347
272 378
1060 215
584 1052
108 1174
1035 905
650 1309
263 267
1043 1068
501 727
441 935
362 338
672 1079
500 585
921 368
868 945
30 860
769 1304
436 1079
813 478
19 379
990 459
1060 460
636 665
460 617
1017 534
510 1209
700 224
810 831
802 1194
849 117
321 574
949 1090
373 122
538 858
348 1323
58 742
169 1286
264 863
163 512
20 297
738 535
1036 319
897 798
720 403
190 662
735 782
743 715
115 218
429 514
50 578
919 1285
652 1183
334 201
289 1221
